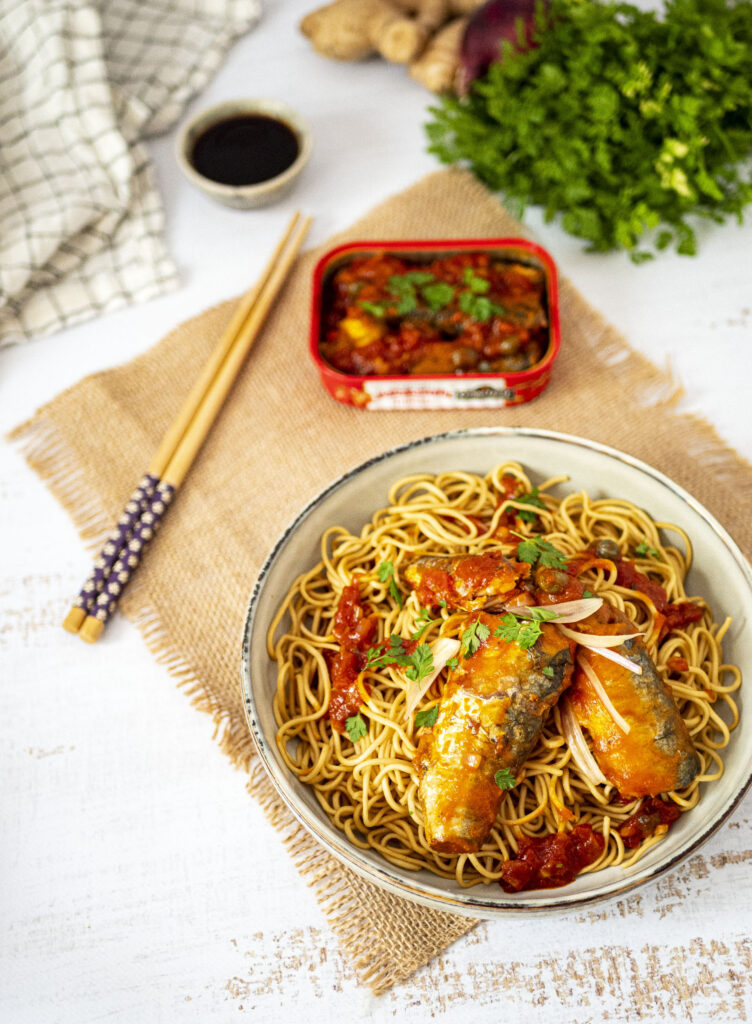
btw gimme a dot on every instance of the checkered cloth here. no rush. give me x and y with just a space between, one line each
82 82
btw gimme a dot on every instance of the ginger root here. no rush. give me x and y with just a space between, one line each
436 68
356 29
415 32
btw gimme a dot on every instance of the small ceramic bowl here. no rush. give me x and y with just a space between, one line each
719 572
244 197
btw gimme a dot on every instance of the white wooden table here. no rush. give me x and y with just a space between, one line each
139 882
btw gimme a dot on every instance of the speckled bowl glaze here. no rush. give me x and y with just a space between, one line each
720 573
244 197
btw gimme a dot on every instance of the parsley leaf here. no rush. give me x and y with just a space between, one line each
479 307
643 548
427 718
393 652
377 309
477 284
587 593
548 671
424 616
417 664
355 728
418 277
523 632
521 629
385 572
530 498
536 550
452 663
472 637
504 779
422 663
438 295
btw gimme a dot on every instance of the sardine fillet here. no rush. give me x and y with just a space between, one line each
490 717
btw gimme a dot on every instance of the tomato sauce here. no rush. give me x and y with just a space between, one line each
651 813
354 629
675 616
553 860
466 313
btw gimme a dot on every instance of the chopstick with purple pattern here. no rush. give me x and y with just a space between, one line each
143 513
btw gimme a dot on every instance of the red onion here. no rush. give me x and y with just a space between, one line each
488 26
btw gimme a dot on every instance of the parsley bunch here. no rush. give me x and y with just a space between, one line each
622 123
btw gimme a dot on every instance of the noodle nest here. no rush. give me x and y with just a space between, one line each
369 789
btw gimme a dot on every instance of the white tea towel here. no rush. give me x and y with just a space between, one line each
82 82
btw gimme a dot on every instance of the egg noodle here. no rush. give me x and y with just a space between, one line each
369 789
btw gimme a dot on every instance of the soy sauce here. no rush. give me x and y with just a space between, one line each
245 150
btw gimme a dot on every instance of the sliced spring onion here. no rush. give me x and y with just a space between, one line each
604 698
596 640
581 753
565 611
603 652
442 650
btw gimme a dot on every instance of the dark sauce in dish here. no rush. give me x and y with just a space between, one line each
245 150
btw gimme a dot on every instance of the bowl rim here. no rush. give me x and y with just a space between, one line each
383 875
208 116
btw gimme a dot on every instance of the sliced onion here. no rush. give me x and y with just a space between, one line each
604 698
581 753
596 640
565 611
442 650
603 652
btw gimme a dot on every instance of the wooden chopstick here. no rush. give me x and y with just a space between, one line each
180 445
139 501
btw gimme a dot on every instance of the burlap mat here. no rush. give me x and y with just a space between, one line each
280 439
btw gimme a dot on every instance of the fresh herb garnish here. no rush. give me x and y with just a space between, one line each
475 283
427 718
535 550
587 593
422 663
417 663
625 123
529 498
548 671
643 549
377 309
355 728
521 630
452 663
438 295
504 779
479 307
392 652
472 637
385 573
424 616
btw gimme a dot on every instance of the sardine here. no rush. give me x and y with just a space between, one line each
490 717
466 582
657 754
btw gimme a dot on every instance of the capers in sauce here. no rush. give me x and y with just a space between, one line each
607 548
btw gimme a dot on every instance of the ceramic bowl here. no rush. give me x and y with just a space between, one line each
244 197
720 573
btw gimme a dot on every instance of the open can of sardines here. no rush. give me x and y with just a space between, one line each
465 324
